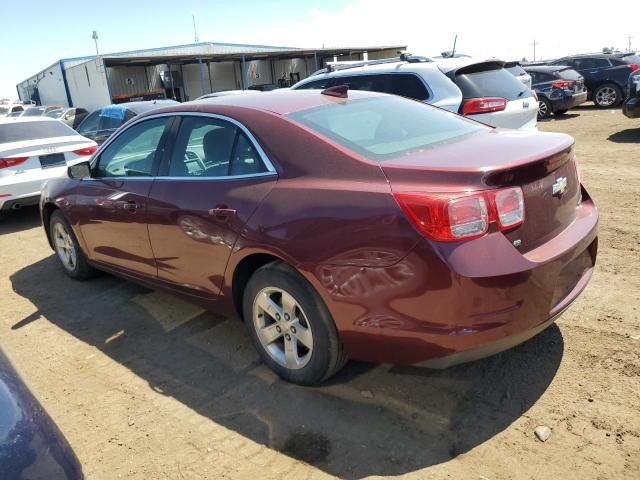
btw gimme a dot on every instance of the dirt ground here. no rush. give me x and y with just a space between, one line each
146 386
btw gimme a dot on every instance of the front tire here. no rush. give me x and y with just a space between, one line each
607 95
290 326
544 108
67 249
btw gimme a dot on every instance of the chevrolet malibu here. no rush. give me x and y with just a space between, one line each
337 224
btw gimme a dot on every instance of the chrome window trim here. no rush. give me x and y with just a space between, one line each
263 156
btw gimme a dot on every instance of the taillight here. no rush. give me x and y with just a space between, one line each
534 95
86 151
563 83
483 105
464 216
12 162
634 66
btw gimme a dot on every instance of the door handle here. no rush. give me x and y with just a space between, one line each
130 205
222 211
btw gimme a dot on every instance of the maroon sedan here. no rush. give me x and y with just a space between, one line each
337 225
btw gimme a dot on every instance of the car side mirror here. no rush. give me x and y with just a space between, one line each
79 170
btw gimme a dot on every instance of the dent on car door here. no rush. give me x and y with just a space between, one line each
111 206
212 179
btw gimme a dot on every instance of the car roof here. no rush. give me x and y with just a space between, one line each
26 119
282 102
141 107
589 55
546 68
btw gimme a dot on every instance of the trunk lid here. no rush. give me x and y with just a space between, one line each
543 165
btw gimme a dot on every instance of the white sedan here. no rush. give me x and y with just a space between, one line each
33 150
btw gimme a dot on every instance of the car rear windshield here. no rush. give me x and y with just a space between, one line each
569 74
33 112
491 81
386 127
515 70
21 131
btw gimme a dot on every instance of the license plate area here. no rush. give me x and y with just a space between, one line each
53 160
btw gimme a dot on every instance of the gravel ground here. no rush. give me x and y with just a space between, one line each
146 386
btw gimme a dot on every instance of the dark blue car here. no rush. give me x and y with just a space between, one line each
631 107
558 88
31 446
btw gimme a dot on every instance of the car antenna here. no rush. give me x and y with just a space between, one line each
339 91
453 52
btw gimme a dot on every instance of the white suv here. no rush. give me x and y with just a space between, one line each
483 90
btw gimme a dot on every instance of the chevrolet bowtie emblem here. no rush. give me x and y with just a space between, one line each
559 186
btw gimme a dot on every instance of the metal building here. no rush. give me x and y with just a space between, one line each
182 72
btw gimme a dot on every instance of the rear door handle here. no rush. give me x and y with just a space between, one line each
222 212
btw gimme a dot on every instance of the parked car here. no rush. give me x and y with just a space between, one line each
69 116
631 107
482 90
14 114
31 445
515 69
605 76
7 109
342 224
39 111
100 125
558 88
32 150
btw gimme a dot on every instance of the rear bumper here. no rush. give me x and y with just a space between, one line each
568 102
631 107
16 203
442 306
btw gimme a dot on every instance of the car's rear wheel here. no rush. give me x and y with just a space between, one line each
68 252
561 112
544 108
290 326
607 95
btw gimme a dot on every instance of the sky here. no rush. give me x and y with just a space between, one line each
37 33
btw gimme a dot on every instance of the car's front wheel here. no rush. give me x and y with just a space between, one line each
65 244
544 108
290 326
607 95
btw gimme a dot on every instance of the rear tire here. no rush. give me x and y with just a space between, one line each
544 108
290 326
607 95
561 112
68 251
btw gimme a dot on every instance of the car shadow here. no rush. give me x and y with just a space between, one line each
368 420
630 135
18 220
554 117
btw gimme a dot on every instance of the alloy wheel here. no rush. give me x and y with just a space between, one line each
606 96
282 328
542 108
65 247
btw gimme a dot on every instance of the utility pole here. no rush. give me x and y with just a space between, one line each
534 49
629 38
195 33
95 39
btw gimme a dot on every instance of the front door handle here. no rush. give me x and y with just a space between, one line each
222 211
129 205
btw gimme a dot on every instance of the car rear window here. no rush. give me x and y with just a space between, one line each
515 70
21 131
33 112
569 74
386 127
490 82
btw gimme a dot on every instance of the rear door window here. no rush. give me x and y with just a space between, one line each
369 83
211 147
490 82
408 85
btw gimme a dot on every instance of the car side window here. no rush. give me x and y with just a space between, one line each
584 63
409 86
133 152
211 147
320 84
90 123
602 62
370 83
